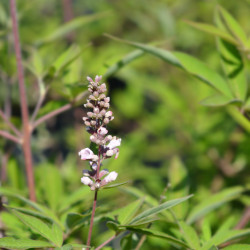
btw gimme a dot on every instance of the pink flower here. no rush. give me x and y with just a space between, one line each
114 143
87 154
86 181
109 114
102 131
110 177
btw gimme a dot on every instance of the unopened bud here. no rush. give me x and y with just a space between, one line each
106 121
96 94
93 123
96 110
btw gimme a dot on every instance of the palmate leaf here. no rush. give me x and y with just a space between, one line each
12 243
213 202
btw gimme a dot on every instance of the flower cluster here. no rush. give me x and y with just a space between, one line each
96 121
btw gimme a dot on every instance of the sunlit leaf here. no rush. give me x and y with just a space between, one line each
214 201
12 243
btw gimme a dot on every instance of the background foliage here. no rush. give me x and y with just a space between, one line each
172 145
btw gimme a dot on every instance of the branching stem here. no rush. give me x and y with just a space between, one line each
24 107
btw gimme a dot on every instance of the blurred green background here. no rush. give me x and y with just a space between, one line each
168 138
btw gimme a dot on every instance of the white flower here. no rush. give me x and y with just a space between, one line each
86 181
87 154
108 114
110 177
102 131
114 143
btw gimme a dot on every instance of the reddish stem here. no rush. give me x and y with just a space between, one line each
95 199
24 106
106 242
9 136
10 124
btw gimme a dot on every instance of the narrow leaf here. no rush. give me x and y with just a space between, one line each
37 225
233 27
157 234
237 247
158 209
213 31
12 243
214 201
218 100
190 235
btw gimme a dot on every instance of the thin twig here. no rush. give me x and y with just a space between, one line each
9 136
38 106
57 111
106 242
10 124
24 106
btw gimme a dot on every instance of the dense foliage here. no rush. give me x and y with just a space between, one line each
177 74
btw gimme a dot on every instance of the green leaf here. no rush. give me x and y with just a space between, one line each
123 62
68 27
157 234
177 175
204 73
239 117
218 100
139 194
76 197
125 214
237 247
38 207
187 63
115 185
190 235
65 59
211 203
58 234
12 243
225 236
206 229
158 209
112 225
232 26
213 31
38 226
51 184
233 66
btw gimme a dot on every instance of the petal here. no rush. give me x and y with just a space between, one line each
114 143
86 154
86 181
102 131
111 177
103 172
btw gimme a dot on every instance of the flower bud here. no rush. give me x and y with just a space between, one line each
96 110
106 121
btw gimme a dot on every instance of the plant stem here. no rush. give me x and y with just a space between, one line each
10 136
106 242
24 106
9 123
92 219
95 199
57 111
